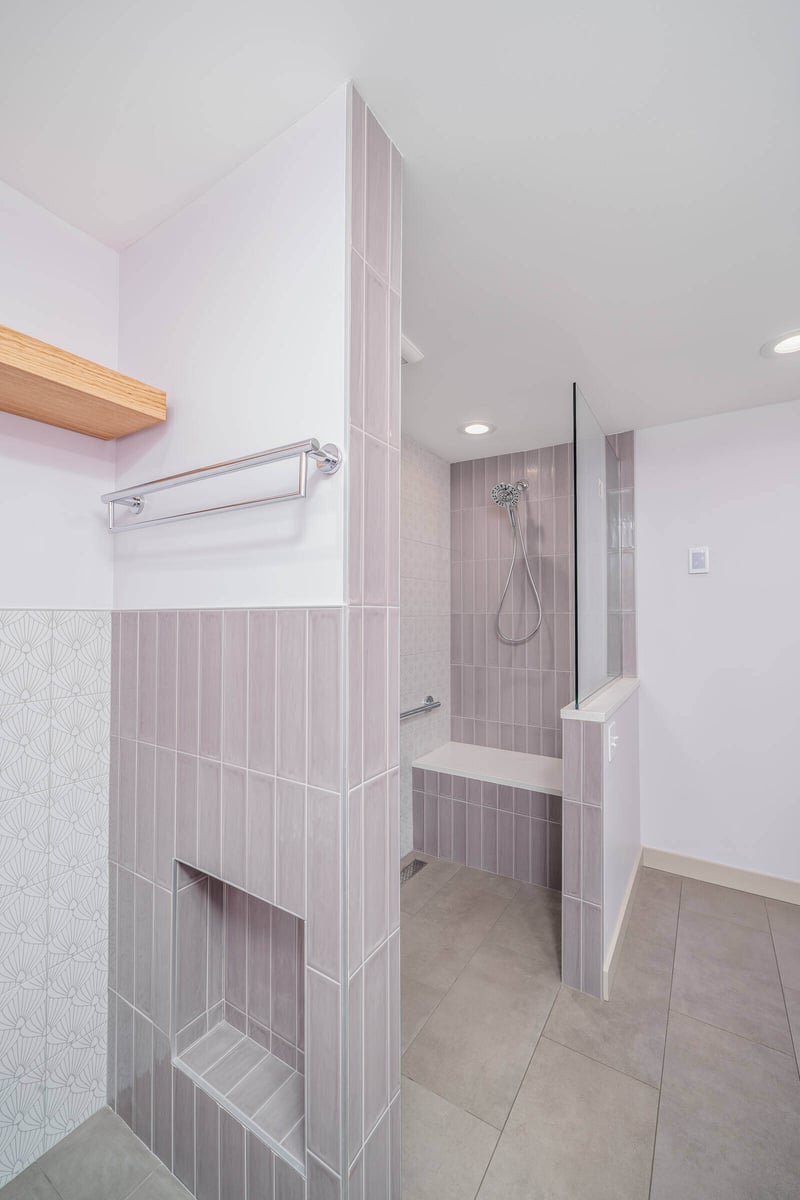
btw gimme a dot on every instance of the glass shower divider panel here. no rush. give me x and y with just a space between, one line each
598 624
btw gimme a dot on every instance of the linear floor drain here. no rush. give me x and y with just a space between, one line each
410 869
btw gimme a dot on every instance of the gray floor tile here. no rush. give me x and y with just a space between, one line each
438 942
578 1131
445 1150
418 1002
31 1184
100 1160
726 975
475 1048
422 886
785 922
713 901
729 1122
471 879
531 925
161 1185
627 1032
654 914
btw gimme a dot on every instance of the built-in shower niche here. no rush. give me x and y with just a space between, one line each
238 1007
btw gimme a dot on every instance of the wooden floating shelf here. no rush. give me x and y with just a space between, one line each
51 385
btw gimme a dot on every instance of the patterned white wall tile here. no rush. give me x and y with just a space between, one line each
22 1121
23 1034
82 653
55 672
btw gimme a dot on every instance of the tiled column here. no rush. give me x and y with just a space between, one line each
373 866
582 871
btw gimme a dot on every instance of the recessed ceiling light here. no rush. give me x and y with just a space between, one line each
787 343
476 428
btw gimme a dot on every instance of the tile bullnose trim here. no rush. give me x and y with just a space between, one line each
604 703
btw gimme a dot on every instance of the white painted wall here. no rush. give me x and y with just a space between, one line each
237 307
58 285
622 839
720 653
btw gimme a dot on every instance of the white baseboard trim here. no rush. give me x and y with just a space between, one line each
618 936
774 887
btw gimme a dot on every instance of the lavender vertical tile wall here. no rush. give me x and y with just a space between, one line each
511 696
233 806
425 607
508 831
54 828
373 866
582 827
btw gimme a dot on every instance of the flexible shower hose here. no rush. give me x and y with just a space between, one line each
517 533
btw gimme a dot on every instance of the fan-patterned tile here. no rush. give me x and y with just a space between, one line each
23 842
23 920
23 1034
78 912
22 1121
82 658
55 681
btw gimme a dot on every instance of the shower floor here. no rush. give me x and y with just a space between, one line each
100 1160
684 1084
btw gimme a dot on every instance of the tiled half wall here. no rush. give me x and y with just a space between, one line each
54 716
582 885
511 696
508 831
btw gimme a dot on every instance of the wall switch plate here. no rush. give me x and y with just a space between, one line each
612 739
698 560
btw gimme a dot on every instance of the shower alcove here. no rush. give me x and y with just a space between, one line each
239 1007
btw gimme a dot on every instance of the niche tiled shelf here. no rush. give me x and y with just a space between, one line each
238 1009
257 1087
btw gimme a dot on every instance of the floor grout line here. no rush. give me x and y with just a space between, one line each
783 995
733 1033
666 1038
519 1089
452 985
530 1060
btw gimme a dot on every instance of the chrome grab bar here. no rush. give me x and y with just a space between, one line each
327 459
428 706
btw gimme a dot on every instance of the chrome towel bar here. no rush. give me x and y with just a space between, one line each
427 706
327 459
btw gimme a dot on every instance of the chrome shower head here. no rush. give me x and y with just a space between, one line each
506 495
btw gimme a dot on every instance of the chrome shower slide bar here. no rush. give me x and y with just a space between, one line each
428 706
327 459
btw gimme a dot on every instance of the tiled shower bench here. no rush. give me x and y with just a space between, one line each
499 810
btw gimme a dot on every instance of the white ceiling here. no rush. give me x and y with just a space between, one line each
608 192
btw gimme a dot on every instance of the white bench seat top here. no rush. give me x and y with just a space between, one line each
509 768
